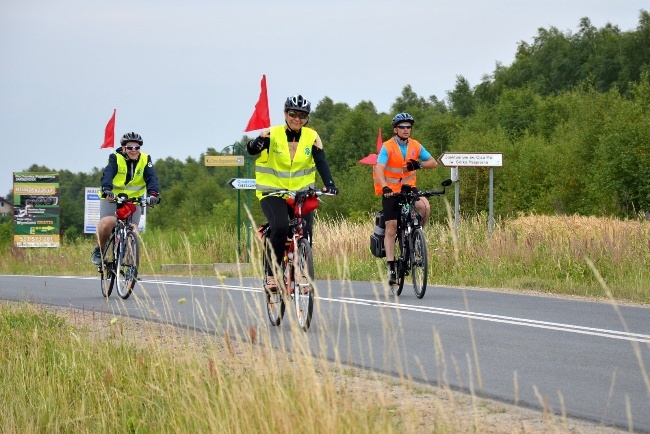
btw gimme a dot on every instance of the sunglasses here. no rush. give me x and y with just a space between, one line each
404 127
133 148
301 115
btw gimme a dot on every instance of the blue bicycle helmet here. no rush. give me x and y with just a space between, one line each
297 102
402 117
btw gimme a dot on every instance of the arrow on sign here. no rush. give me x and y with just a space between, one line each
224 160
472 159
243 183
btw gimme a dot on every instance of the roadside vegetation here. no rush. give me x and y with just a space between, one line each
530 252
571 117
54 377
65 370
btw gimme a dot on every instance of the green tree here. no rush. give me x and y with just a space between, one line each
461 99
409 102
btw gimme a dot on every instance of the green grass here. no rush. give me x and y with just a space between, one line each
71 375
538 253
55 378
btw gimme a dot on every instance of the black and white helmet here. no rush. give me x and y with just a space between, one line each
131 137
297 102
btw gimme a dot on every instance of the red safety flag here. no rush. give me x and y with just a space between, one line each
372 158
260 118
109 134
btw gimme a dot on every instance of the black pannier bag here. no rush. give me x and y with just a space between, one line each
377 238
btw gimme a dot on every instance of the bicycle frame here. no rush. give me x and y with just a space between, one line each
297 267
408 221
120 255
411 243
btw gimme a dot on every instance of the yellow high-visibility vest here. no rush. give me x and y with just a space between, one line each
275 170
136 187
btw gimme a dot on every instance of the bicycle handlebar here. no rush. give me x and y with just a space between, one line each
142 200
426 193
297 193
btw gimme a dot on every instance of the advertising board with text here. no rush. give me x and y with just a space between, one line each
36 209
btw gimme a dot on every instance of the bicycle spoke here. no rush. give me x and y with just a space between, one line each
401 264
127 263
419 264
274 302
106 269
304 293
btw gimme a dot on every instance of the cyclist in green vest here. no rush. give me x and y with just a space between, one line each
289 156
128 171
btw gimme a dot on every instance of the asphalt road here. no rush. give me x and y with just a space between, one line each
585 359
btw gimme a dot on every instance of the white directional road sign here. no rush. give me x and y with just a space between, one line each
243 183
472 159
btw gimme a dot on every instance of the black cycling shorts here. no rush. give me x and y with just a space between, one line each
390 207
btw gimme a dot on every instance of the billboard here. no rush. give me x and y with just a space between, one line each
36 209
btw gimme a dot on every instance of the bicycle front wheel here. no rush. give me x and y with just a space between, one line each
304 281
274 301
128 260
419 262
107 267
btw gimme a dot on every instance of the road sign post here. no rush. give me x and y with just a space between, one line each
472 159
238 161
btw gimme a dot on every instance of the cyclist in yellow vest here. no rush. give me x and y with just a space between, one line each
397 162
128 171
289 156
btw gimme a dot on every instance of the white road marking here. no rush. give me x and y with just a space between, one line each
570 328
612 334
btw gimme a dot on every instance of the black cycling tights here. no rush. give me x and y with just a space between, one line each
277 213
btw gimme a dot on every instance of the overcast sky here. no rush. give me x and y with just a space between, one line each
186 74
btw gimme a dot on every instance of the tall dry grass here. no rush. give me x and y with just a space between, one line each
53 378
544 253
102 375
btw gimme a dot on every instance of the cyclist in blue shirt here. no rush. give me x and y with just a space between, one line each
399 159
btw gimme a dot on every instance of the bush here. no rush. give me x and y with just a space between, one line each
6 234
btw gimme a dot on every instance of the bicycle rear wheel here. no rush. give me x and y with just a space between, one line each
128 260
304 281
275 305
401 260
419 262
107 267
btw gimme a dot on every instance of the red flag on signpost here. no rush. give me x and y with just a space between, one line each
260 118
109 134
372 158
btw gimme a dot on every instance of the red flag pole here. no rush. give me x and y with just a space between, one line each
380 142
109 134
371 159
260 118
